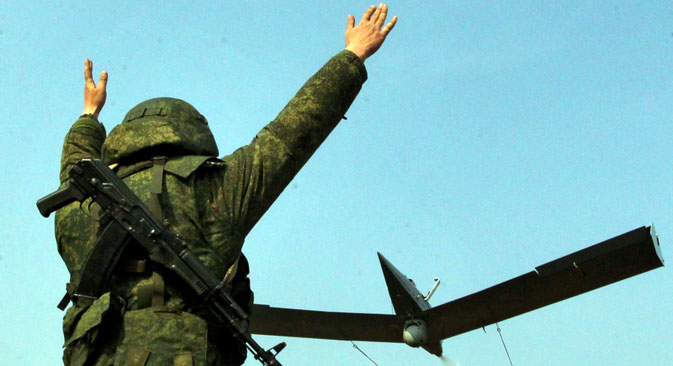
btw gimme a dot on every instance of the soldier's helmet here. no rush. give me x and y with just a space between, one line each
160 126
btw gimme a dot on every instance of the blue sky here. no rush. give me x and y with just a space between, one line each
490 138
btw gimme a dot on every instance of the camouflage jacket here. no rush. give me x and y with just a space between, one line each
214 203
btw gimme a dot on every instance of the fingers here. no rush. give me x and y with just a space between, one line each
375 16
88 80
102 81
382 13
351 22
88 77
368 14
389 26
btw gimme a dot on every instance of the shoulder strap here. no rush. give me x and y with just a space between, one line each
158 166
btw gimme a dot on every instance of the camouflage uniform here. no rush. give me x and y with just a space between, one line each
145 318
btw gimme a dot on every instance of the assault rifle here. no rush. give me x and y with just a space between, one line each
129 217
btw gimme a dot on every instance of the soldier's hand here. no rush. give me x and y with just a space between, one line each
366 38
94 95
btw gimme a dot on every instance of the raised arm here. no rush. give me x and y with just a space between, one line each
84 140
258 173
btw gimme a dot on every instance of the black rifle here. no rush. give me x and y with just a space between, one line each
129 216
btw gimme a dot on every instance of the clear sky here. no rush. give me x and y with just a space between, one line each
491 137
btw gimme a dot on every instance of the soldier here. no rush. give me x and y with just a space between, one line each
164 151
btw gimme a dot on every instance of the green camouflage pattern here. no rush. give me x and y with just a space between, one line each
145 337
160 126
75 232
213 203
81 329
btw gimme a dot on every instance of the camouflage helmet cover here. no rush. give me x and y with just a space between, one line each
160 126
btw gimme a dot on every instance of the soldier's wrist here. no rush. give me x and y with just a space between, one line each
90 110
90 115
359 52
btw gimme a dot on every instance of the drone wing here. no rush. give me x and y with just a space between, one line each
607 262
325 325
